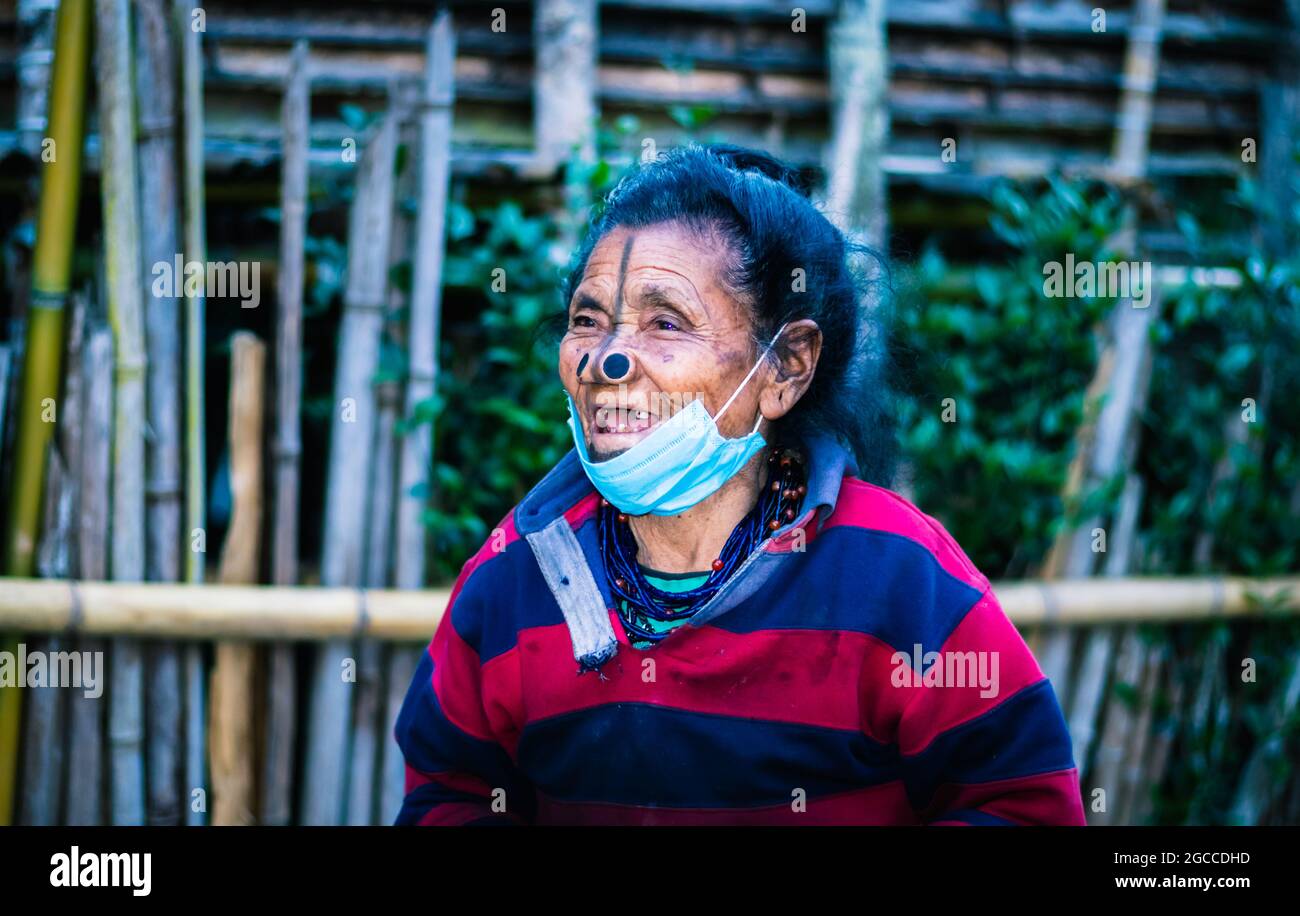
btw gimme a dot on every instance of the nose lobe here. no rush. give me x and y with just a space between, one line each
615 366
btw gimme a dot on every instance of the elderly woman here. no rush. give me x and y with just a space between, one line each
707 613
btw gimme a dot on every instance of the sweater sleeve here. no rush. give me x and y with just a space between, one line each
450 728
982 737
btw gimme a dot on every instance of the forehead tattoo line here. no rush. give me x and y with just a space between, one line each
622 277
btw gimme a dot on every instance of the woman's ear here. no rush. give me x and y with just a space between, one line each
797 352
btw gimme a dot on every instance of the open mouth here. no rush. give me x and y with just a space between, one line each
621 421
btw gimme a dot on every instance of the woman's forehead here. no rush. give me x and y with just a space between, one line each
665 257
670 248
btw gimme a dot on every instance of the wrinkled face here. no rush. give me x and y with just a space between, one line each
650 329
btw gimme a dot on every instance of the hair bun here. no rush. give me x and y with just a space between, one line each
743 159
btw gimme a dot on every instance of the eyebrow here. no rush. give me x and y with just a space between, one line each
667 297
587 301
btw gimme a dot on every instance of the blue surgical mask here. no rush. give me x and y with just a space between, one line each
680 462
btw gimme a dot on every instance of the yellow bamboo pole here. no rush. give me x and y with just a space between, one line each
51 269
231 715
288 612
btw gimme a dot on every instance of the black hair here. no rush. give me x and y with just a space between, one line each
761 208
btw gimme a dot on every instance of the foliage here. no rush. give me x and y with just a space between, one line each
1223 495
499 414
1223 353
996 372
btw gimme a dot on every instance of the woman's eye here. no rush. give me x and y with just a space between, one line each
582 321
664 324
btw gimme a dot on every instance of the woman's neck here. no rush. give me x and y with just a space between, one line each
692 540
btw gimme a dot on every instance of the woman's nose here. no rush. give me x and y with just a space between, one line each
615 365
611 365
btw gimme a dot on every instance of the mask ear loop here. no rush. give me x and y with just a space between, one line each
741 388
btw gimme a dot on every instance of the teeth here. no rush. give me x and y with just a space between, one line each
643 415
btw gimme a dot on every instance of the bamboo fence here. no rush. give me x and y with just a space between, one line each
207 694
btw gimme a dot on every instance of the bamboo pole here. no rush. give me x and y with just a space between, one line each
422 337
1134 786
6 370
120 187
1211 712
858 71
1142 60
231 731
155 80
1161 747
281 720
330 613
43 723
564 87
43 740
1117 728
195 233
35 22
1089 689
402 662
368 706
51 268
85 785
388 390
350 462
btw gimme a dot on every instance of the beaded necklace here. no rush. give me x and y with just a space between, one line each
638 601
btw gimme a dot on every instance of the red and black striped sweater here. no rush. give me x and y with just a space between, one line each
856 669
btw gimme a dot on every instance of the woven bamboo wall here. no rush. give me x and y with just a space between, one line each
1022 86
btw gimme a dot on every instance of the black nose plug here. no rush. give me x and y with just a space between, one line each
615 366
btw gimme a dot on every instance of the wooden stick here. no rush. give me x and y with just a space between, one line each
274 612
367 707
858 73
1161 746
85 784
402 662
295 142
156 79
351 441
1087 702
422 336
281 718
231 732
6 371
1134 782
1117 730
120 189
1141 62
195 461
367 738
564 85
43 741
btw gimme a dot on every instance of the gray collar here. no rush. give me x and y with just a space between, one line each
567 566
